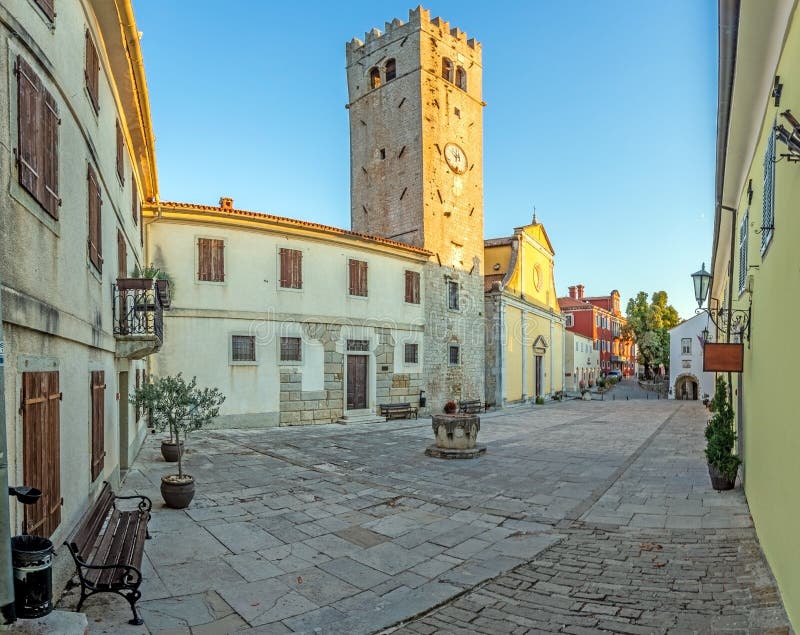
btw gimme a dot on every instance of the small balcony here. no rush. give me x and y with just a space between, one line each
139 305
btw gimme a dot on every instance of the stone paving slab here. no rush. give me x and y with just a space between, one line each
351 529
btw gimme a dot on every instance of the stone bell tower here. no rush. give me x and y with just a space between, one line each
416 176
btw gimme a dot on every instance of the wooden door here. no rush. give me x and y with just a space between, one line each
41 447
538 376
356 382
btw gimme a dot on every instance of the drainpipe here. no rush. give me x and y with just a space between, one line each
6 576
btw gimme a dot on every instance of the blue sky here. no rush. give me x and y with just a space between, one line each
601 114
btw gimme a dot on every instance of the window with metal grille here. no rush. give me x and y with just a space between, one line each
37 138
98 396
120 154
243 348
95 202
411 353
743 250
92 72
357 345
291 349
391 69
357 274
686 346
455 355
768 208
412 287
211 260
291 275
452 295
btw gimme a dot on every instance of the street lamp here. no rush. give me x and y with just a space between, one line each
736 320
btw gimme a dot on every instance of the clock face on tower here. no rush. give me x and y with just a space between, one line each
455 158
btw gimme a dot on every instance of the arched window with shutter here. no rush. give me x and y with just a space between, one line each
374 77
461 78
447 69
391 69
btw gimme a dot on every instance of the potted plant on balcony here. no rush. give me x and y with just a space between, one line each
164 284
723 464
180 407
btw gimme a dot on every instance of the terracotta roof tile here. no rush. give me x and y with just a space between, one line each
290 221
573 303
489 280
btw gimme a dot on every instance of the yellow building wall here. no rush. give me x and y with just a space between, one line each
497 256
771 434
513 357
533 276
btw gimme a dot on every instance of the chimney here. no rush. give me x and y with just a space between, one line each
226 203
572 292
580 291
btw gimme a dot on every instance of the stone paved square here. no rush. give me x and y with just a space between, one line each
592 515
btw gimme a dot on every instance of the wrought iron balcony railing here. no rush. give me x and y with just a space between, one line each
138 309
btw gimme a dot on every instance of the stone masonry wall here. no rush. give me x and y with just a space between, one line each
394 387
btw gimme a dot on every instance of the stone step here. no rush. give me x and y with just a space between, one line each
360 416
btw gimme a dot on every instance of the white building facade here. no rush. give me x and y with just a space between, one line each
582 362
688 381
295 322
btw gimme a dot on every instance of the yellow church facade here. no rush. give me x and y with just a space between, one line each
524 325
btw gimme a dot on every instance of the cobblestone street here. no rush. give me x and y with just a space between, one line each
582 517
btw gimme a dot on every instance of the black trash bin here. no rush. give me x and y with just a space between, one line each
32 559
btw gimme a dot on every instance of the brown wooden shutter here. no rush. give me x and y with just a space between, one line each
218 260
122 256
412 287
50 123
92 72
298 269
28 100
98 392
48 8
291 263
41 401
284 265
95 227
120 154
134 202
203 259
352 275
363 278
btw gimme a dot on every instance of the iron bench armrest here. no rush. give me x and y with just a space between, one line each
145 504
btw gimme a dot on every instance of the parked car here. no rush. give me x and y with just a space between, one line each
616 374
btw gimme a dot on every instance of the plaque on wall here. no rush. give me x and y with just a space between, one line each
723 358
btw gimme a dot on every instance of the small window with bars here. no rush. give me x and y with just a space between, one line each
452 295
357 275
291 264
411 354
455 354
291 349
412 287
243 349
686 346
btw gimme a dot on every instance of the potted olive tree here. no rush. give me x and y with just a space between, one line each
180 407
723 464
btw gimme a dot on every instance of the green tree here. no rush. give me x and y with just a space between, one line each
648 326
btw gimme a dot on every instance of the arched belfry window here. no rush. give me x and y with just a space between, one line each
447 69
374 77
391 69
461 78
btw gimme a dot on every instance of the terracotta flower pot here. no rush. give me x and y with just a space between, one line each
177 493
170 451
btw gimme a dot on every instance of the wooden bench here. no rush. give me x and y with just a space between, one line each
397 410
108 546
470 406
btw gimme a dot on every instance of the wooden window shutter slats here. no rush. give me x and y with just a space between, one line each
220 260
134 202
28 100
357 273
291 265
51 122
97 392
41 401
95 226
48 8
210 260
298 269
92 72
284 266
122 256
120 154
